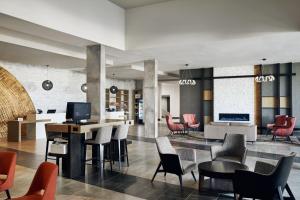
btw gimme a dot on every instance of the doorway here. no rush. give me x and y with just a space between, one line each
165 105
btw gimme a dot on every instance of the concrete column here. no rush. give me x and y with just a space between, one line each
150 97
95 65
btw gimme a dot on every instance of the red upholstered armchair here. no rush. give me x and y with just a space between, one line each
280 120
190 121
174 127
7 167
43 186
285 130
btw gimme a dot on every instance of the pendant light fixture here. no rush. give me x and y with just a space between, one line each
264 78
186 77
84 87
113 89
47 84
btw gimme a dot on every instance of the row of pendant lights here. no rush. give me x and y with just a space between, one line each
48 85
113 89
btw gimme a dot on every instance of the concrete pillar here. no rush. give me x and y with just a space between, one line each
150 97
95 65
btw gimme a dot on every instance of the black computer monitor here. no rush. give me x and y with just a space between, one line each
77 111
50 111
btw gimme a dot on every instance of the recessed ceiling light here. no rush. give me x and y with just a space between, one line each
264 59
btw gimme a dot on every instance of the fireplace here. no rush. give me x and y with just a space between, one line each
234 117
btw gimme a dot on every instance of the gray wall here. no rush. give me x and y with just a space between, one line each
191 97
296 93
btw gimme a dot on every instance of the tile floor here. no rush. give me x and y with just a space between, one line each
134 182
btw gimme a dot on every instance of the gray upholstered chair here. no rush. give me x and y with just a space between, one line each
103 137
266 182
121 135
233 149
174 161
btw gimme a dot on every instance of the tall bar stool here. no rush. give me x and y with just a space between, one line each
102 138
121 135
52 135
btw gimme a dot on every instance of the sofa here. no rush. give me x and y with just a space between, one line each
217 130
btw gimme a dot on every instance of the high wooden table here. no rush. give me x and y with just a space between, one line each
73 164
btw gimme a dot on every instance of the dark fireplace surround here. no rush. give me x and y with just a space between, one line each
240 117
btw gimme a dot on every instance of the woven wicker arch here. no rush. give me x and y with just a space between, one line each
14 100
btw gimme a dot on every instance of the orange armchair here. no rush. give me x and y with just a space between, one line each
174 127
43 186
190 121
7 167
285 130
280 120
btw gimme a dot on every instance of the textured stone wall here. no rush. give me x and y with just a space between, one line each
234 95
14 100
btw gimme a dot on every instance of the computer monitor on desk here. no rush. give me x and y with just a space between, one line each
77 111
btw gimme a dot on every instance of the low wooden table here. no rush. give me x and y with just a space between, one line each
218 169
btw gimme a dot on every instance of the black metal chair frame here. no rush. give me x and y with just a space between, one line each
115 154
170 163
106 146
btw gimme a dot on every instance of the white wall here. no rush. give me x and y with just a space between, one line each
200 21
170 89
66 85
97 20
234 95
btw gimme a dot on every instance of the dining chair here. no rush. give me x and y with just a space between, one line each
43 186
7 167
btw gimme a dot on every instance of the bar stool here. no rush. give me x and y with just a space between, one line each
50 138
102 138
121 135
52 135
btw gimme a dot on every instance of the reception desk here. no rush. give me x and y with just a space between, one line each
73 164
14 129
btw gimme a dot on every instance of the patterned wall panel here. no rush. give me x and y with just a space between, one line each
14 100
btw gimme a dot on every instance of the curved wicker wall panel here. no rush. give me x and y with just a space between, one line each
14 100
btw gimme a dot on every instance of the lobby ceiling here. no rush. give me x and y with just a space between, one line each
210 38
127 4
29 56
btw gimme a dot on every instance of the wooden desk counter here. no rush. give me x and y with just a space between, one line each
14 129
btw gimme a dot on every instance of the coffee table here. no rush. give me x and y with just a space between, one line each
218 169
